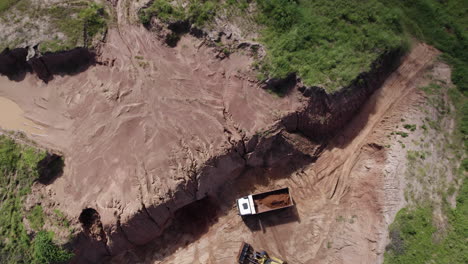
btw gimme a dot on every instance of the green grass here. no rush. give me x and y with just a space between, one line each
442 24
197 12
6 4
327 43
94 19
36 217
45 251
79 23
401 133
410 127
18 170
413 238
67 24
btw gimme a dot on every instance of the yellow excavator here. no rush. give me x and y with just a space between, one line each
247 255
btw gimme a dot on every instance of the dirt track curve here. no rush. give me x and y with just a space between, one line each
342 202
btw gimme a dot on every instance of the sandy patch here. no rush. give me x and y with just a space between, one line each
12 118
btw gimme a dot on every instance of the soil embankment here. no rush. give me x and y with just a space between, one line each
14 63
324 114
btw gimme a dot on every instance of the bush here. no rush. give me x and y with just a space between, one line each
279 14
414 242
162 9
19 163
36 217
410 127
94 19
45 251
197 12
200 13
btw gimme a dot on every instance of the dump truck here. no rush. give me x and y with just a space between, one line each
264 202
247 255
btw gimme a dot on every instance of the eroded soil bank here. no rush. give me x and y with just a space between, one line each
15 64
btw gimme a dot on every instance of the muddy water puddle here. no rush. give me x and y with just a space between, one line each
12 118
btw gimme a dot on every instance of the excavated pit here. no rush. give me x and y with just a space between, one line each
187 177
50 168
89 219
323 116
338 196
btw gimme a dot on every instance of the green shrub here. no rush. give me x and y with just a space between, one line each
18 170
414 242
410 127
94 19
402 134
201 12
45 251
197 12
36 217
79 23
6 4
162 9
279 14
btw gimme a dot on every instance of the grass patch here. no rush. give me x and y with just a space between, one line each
94 19
412 235
401 133
80 23
6 4
45 251
442 24
410 127
197 12
36 217
327 43
18 170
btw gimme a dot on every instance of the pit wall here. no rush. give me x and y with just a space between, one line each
151 221
15 63
324 113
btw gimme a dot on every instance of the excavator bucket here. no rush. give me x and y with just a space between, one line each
245 254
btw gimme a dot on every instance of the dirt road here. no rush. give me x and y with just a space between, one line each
341 203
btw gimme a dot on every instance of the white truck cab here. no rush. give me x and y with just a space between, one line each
246 205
